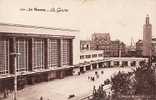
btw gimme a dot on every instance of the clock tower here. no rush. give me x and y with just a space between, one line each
147 38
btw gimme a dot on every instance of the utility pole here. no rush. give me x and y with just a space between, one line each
14 54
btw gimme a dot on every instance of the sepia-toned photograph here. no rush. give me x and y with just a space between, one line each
77 49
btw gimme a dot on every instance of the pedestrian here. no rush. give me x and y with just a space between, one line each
101 72
93 78
96 73
88 77
41 98
94 90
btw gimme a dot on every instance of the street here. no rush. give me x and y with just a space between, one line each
60 89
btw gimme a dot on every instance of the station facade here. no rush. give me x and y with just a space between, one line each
44 53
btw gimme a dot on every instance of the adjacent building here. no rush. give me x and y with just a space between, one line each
111 48
91 55
139 48
85 44
117 49
154 46
101 41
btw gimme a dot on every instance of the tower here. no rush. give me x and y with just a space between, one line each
147 37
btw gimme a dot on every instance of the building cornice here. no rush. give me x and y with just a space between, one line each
4 34
38 27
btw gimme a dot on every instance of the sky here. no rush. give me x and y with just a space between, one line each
123 19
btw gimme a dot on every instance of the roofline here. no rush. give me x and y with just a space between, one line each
34 35
38 27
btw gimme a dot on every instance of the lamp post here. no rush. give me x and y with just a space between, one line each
14 55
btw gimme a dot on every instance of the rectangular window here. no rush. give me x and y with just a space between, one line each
38 54
88 56
22 59
82 57
4 56
67 44
53 53
94 55
100 55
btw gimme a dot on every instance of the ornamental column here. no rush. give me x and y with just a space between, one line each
97 65
30 54
129 63
61 52
120 63
46 41
112 63
12 49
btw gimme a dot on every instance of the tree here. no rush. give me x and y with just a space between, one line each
122 84
99 94
139 82
145 80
